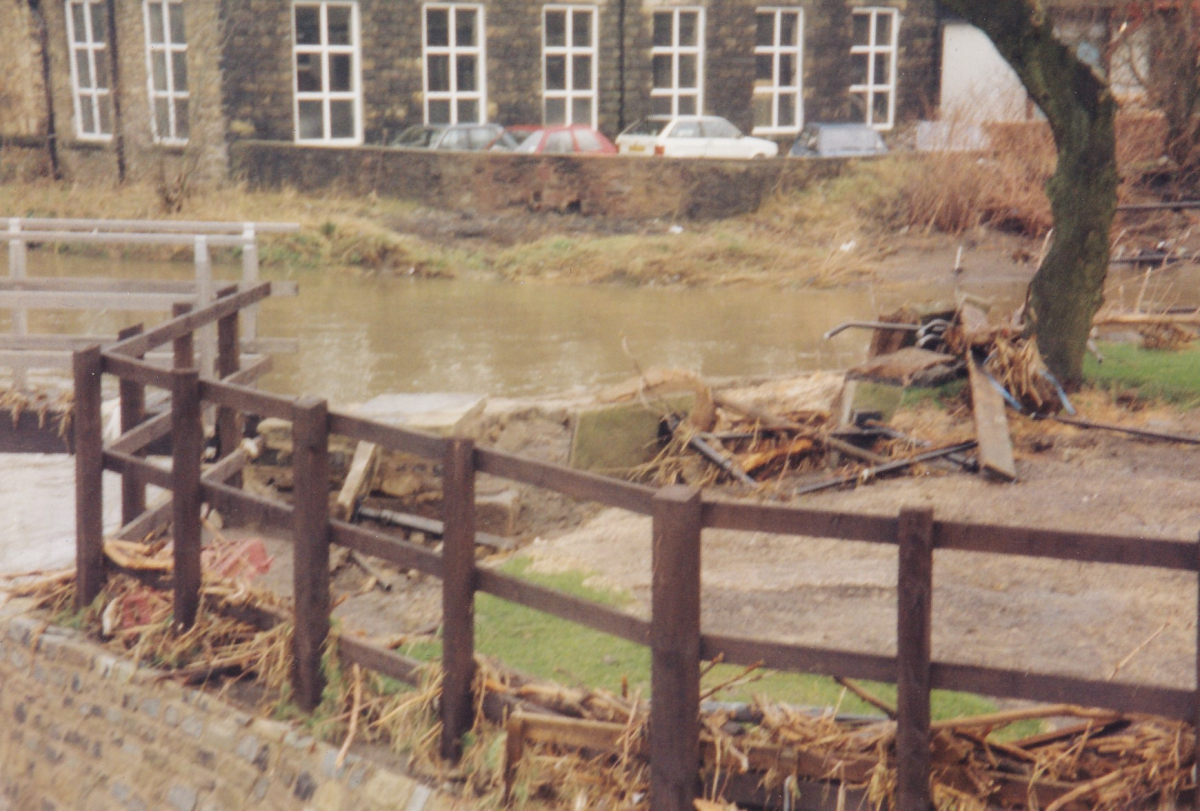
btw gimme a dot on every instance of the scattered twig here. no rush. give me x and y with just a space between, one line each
354 710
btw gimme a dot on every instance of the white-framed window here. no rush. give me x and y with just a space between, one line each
569 48
677 62
873 53
91 75
166 67
455 78
328 85
778 58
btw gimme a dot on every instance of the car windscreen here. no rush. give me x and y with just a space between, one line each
532 140
719 128
418 137
648 126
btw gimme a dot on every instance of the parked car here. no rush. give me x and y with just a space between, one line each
837 141
565 139
692 136
463 137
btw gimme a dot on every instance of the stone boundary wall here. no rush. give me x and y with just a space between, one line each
83 729
615 186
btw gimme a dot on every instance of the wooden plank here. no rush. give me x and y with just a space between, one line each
133 413
187 446
310 463
136 469
432 526
151 521
404 440
373 657
36 300
147 432
89 468
185 324
387 547
991 425
250 373
797 658
675 649
1066 545
248 400
458 595
574 483
245 508
358 481
183 346
582 612
751 517
913 652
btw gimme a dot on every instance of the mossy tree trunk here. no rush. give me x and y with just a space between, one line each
1068 288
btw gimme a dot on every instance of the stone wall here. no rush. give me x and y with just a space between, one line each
636 188
22 95
80 728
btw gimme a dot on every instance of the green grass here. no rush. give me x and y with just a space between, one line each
942 396
550 648
1172 377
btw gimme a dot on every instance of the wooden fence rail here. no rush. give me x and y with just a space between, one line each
678 515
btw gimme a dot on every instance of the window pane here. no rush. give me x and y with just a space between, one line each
556 111
439 111
559 143
764 69
881 108
581 111
556 29
105 105
858 68
787 70
341 76
308 25
178 30
858 108
581 73
87 122
883 29
78 23
341 119
308 73
719 129
760 106
662 72
660 105
466 73
468 111
556 73
789 28
686 129
689 25
687 105
83 69
102 71
338 18
99 23
581 29
787 110
882 73
465 27
158 62
439 73
162 119
157 37
862 29
662 29
311 124
764 35
179 70
437 27
687 71
182 124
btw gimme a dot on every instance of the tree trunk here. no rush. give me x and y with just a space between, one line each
1068 288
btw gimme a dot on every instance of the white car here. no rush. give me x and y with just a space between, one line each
692 136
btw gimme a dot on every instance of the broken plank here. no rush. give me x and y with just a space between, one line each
358 480
991 425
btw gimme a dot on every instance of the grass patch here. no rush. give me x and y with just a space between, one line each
945 396
1147 374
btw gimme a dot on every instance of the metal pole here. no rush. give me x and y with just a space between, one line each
204 297
249 279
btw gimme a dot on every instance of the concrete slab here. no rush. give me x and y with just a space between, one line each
612 439
439 413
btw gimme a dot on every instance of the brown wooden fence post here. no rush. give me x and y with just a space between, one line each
458 595
229 420
133 413
310 465
1196 709
675 649
89 468
185 345
913 653
187 445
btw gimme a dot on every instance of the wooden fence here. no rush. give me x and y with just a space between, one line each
679 515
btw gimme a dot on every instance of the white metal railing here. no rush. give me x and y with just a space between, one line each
21 294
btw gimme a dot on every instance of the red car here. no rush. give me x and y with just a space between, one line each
574 139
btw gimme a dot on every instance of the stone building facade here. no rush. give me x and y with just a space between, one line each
158 89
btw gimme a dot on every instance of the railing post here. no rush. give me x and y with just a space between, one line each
458 595
229 420
17 269
133 413
310 577
250 276
184 346
187 445
204 297
675 649
913 653
89 469
1196 709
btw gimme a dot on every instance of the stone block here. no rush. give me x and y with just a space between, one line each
615 438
